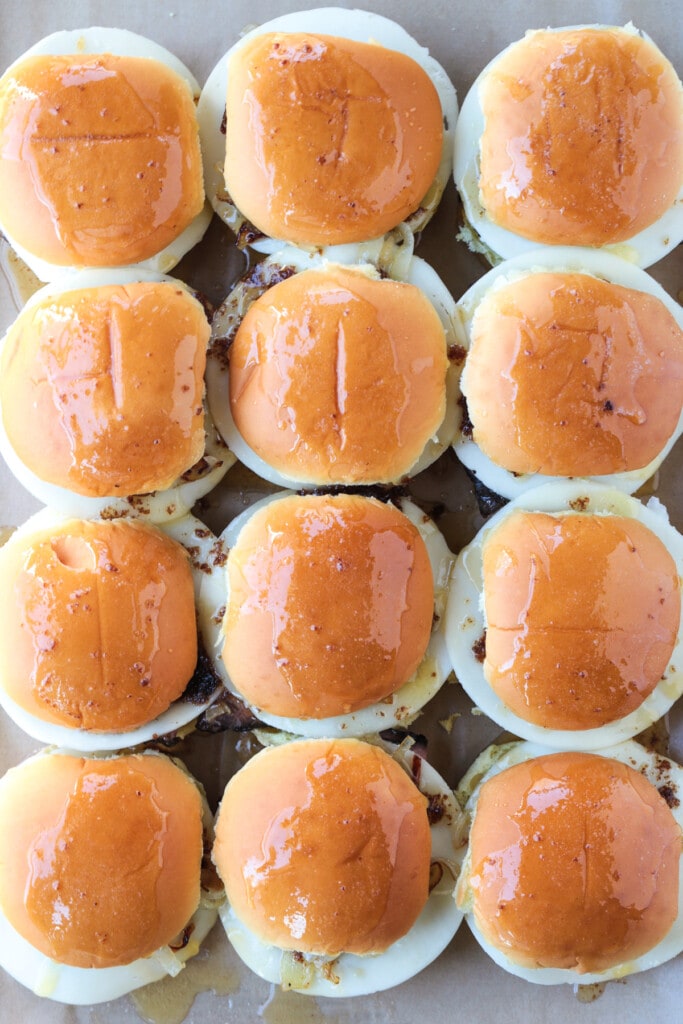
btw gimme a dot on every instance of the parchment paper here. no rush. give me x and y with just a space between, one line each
462 985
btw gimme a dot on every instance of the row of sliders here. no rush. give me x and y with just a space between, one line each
278 143
557 882
363 586
101 884
115 395
349 876
342 614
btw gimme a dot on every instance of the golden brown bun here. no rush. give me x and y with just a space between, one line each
100 860
339 377
582 615
99 158
568 375
356 836
101 388
347 623
583 138
323 144
595 851
97 623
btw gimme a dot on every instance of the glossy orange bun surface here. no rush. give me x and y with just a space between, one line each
331 603
324 847
99 158
583 137
574 863
102 388
97 623
568 375
328 140
339 377
100 859
582 614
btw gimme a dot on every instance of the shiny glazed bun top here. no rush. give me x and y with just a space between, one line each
339 377
97 623
330 607
582 615
99 158
324 847
328 140
583 137
100 859
596 855
102 388
570 375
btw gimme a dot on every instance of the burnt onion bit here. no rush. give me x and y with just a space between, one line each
381 492
204 682
227 713
488 501
399 736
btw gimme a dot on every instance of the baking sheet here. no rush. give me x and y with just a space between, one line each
216 988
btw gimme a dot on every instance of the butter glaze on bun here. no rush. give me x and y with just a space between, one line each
324 597
573 368
347 622
582 616
567 604
574 137
296 151
570 375
100 162
338 376
324 847
596 854
100 865
301 109
101 388
98 627
557 103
